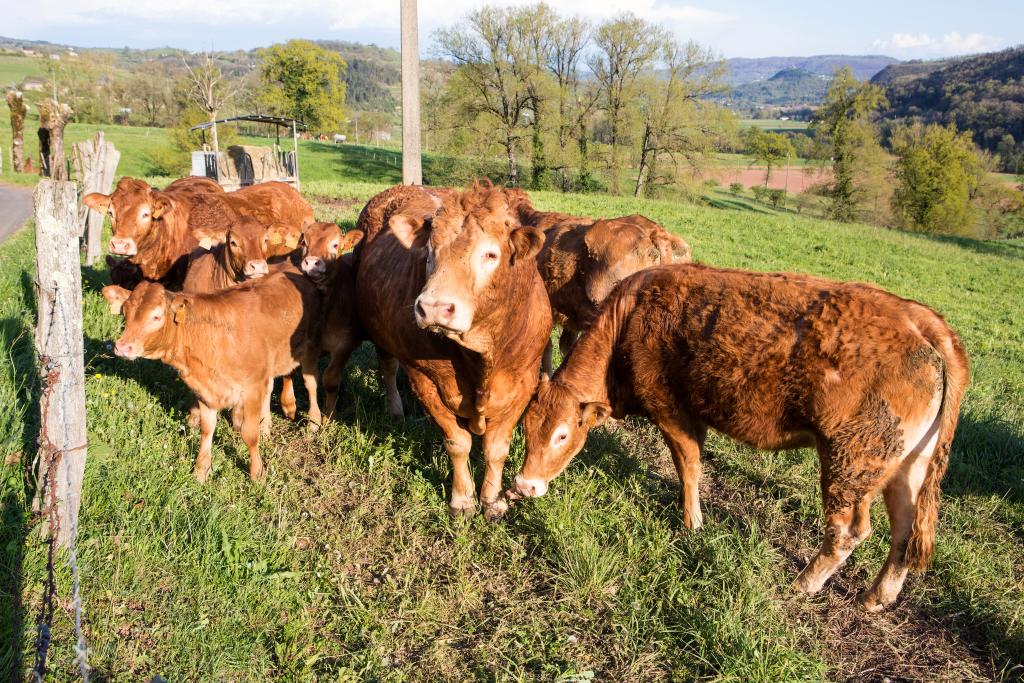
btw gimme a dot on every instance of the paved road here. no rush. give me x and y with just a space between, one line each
15 208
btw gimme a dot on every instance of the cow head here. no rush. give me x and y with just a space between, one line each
245 249
556 425
322 245
148 312
133 208
284 239
474 246
616 249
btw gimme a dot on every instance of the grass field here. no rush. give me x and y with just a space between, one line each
345 565
774 124
14 69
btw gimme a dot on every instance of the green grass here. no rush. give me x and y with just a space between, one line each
775 124
345 565
14 69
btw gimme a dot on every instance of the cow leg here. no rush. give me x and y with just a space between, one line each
685 442
207 425
332 376
288 406
265 420
849 481
457 443
252 416
389 372
193 414
546 362
496 441
566 341
309 369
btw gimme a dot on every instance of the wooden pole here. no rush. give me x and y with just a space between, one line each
16 103
59 345
412 165
53 116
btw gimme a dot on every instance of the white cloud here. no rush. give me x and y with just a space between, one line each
949 44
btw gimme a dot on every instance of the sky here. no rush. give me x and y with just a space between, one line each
905 29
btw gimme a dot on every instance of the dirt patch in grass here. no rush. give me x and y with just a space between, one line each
337 204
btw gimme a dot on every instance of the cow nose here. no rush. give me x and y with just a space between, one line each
256 268
530 488
122 246
434 312
312 264
124 349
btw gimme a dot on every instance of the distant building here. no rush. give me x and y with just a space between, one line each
33 84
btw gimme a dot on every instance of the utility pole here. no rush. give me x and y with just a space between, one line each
412 168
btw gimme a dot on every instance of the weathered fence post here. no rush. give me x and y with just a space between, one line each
53 116
412 169
94 162
16 103
59 345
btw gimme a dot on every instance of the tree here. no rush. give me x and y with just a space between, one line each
16 103
938 173
767 149
675 121
844 130
626 47
485 82
305 81
208 89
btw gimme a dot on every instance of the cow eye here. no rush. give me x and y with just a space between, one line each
234 243
145 214
491 255
334 246
157 316
562 437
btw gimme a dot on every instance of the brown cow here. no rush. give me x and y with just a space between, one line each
776 361
243 256
228 347
158 229
196 184
341 331
457 299
582 262
375 215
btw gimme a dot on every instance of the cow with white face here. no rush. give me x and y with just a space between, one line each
448 285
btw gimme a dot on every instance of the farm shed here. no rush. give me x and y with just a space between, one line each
244 165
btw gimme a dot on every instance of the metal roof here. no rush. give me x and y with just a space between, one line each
281 121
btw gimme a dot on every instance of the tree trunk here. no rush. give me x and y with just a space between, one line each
615 186
216 142
16 103
53 116
62 430
644 151
510 148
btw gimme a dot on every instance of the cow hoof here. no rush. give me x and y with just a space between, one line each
193 417
201 474
871 603
494 511
312 427
462 510
805 585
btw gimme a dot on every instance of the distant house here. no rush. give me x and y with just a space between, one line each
54 56
33 84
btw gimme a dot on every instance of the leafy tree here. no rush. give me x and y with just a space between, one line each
625 47
208 89
767 149
304 81
938 173
676 123
845 132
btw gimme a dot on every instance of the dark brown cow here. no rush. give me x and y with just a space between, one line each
375 215
457 299
158 229
778 362
582 262
228 347
342 332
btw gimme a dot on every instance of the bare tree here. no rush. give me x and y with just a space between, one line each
481 48
209 89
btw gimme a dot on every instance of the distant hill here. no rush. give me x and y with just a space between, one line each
983 94
373 77
743 70
790 87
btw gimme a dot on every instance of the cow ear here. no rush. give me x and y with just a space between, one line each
350 239
115 296
161 205
595 414
97 201
526 242
209 238
406 228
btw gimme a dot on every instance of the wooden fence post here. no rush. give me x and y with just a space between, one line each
53 116
94 162
59 345
412 168
16 103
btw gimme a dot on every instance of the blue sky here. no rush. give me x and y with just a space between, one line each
743 28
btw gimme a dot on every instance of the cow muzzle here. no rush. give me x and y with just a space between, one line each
123 246
314 266
126 350
530 488
256 269
441 315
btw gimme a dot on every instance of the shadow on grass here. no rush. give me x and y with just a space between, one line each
14 531
737 205
987 460
987 247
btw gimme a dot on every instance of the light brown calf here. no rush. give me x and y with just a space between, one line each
871 380
228 346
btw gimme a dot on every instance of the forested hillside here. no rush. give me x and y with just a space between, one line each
742 70
983 94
